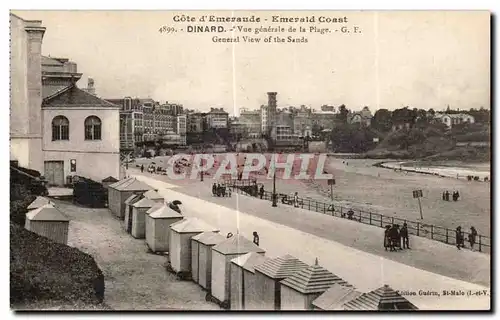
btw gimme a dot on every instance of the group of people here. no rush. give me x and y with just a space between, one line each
396 238
455 195
459 237
219 190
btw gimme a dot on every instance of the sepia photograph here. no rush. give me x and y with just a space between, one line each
231 160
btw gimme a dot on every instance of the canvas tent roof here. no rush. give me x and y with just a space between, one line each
281 267
335 297
46 213
130 184
209 238
237 244
163 211
144 203
249 261
374 299
314 279
153 195
132 199
38 202
110 179
192 225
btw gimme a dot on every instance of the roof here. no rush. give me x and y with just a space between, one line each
75 97
249 261
110 179
130 184
314 279
335 297
382 296
192 225
47 61
46 213
49 90
144 203
281 267
132 199
209 238
163 211
237 244
153 195
38 202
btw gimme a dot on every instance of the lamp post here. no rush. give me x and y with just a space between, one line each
275 200
201 173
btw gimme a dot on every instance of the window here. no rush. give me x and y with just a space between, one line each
60 128
92 128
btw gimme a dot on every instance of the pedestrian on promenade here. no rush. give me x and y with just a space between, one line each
223 190
219 190
229 191
296 200
393 236
261 191
256 238
404 235
444 195
458 195
472 237
214 189
447 196
459 237
142 168
350 214
387 237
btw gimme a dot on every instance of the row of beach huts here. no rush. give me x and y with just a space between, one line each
233 270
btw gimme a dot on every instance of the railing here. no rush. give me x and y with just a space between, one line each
416 228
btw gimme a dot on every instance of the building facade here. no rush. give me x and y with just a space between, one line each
81 134
363 117
26 133
451 120
217 118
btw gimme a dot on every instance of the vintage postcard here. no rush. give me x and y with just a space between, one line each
250 160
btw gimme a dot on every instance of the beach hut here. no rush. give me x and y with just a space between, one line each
222 254
180 242
245 292
119 191
334 298
127 225
202 262
158 221
39 202
302 288
49 222
384 298
106 182
268 276
139 209
154 195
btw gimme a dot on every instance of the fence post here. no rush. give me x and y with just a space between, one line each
418 229
432 232
370 218
381 222
316 206
480 243
324 208
309 204
392 220
446 235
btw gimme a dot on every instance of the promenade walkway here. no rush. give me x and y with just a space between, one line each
351 250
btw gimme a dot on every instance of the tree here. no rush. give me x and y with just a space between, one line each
382 120
342 115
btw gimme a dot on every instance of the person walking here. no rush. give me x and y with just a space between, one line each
447 196
404 235
387 237
399 238
459 237
261 191
256 238
142 168
214 189
472 237
296 200
393 235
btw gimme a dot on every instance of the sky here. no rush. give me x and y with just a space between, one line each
419 59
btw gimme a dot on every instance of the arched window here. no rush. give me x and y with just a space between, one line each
92 128
60 128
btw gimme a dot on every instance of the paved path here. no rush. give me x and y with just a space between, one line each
135 279
336 242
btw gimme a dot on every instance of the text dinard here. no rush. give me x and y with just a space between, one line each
276 19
